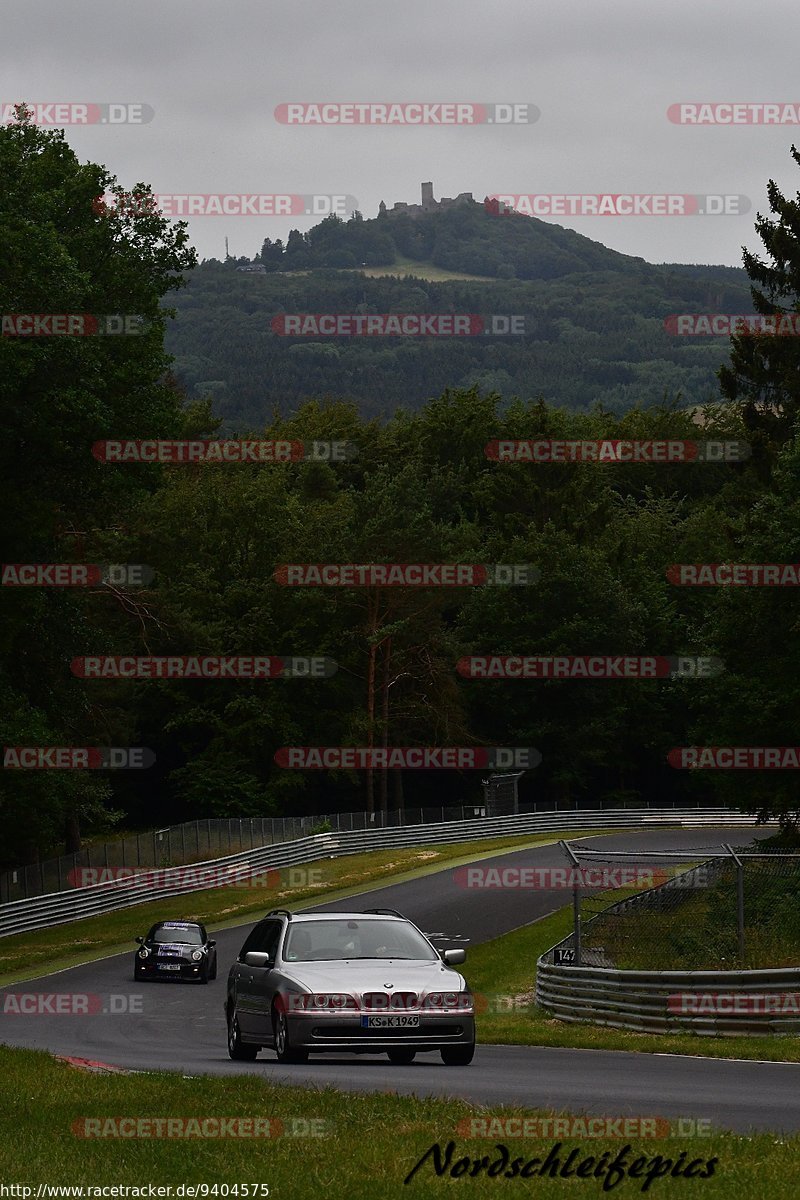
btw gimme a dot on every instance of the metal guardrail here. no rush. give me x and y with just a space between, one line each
213 837
41 912
200 840
638 1000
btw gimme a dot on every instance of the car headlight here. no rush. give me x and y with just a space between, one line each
450 1000
197 955
144 952
322 1002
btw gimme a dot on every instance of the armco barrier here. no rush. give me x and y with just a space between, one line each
211 837
638 999
40 912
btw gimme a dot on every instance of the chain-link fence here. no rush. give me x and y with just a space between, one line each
721 909
195 841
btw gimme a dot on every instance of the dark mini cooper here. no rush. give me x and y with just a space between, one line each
176 950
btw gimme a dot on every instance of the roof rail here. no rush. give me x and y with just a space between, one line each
280 912
387 912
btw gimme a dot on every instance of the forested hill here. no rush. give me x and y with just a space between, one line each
466 238
594 318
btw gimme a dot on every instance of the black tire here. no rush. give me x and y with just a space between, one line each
237 1049
458 1056
401 1057
213 974
286 1052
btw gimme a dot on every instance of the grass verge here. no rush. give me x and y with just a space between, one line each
503 973
24 955
372 1143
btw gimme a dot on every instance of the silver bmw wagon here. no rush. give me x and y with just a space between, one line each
359 983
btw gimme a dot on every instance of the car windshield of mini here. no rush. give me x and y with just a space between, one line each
184 935
327 941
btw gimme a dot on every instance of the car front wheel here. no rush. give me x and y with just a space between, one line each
236 1047
458 1056
286 1052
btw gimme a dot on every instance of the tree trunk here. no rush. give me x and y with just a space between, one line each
384 777
398 796
372 651
72 833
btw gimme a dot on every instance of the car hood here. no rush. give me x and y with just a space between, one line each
172 949
371 975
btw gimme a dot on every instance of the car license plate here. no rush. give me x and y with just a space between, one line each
169 966
401 1021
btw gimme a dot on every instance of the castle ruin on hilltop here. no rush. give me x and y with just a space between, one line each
428 203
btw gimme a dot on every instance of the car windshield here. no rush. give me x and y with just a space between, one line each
185 935
326 941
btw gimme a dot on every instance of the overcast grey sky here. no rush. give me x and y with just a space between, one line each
602 72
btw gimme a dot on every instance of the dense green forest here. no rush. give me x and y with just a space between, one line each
421 489
594 319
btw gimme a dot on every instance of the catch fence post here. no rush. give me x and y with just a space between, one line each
739 898
576 904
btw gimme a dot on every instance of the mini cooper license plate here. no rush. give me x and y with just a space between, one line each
169 966
387 1021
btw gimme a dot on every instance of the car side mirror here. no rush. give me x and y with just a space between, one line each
212 943
453 957
257 958
139 940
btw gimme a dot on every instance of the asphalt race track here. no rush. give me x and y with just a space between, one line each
181 1027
